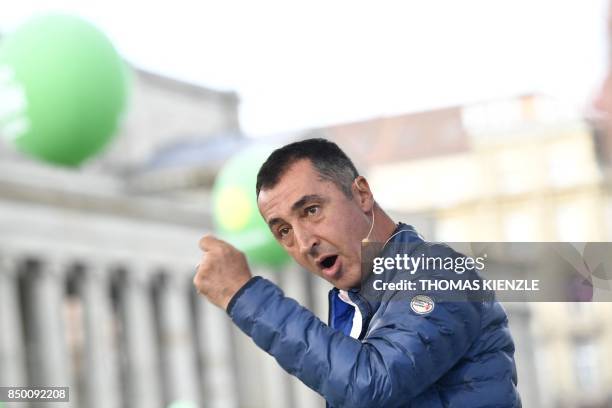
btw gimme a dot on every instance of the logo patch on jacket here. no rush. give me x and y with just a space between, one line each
422 304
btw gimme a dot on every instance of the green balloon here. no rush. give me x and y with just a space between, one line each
235 209
63 88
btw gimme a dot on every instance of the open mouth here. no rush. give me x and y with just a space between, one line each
329 261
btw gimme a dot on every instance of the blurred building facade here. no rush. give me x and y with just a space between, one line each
96 267
518 170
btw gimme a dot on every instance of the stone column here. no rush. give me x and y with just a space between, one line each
51 360
219 381
179 357
102 374
12 357
143 380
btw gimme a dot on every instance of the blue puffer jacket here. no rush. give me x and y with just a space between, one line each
458 355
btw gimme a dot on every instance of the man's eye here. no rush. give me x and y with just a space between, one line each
313 210
283 232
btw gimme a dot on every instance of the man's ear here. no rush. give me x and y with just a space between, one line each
362 192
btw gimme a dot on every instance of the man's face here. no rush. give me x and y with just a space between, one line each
317 224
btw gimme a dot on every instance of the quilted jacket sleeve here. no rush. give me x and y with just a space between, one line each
402 354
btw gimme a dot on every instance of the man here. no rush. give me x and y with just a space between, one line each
381 349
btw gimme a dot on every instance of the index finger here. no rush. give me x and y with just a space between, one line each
208 242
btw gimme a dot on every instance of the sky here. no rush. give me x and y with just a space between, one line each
298 65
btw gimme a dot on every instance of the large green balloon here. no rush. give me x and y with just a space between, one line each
63 88
235 209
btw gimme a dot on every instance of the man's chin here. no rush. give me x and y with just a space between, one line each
342 279
346 282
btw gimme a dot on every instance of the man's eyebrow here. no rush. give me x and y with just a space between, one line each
296 206
305 199
273 222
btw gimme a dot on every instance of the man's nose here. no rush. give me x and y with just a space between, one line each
307 241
